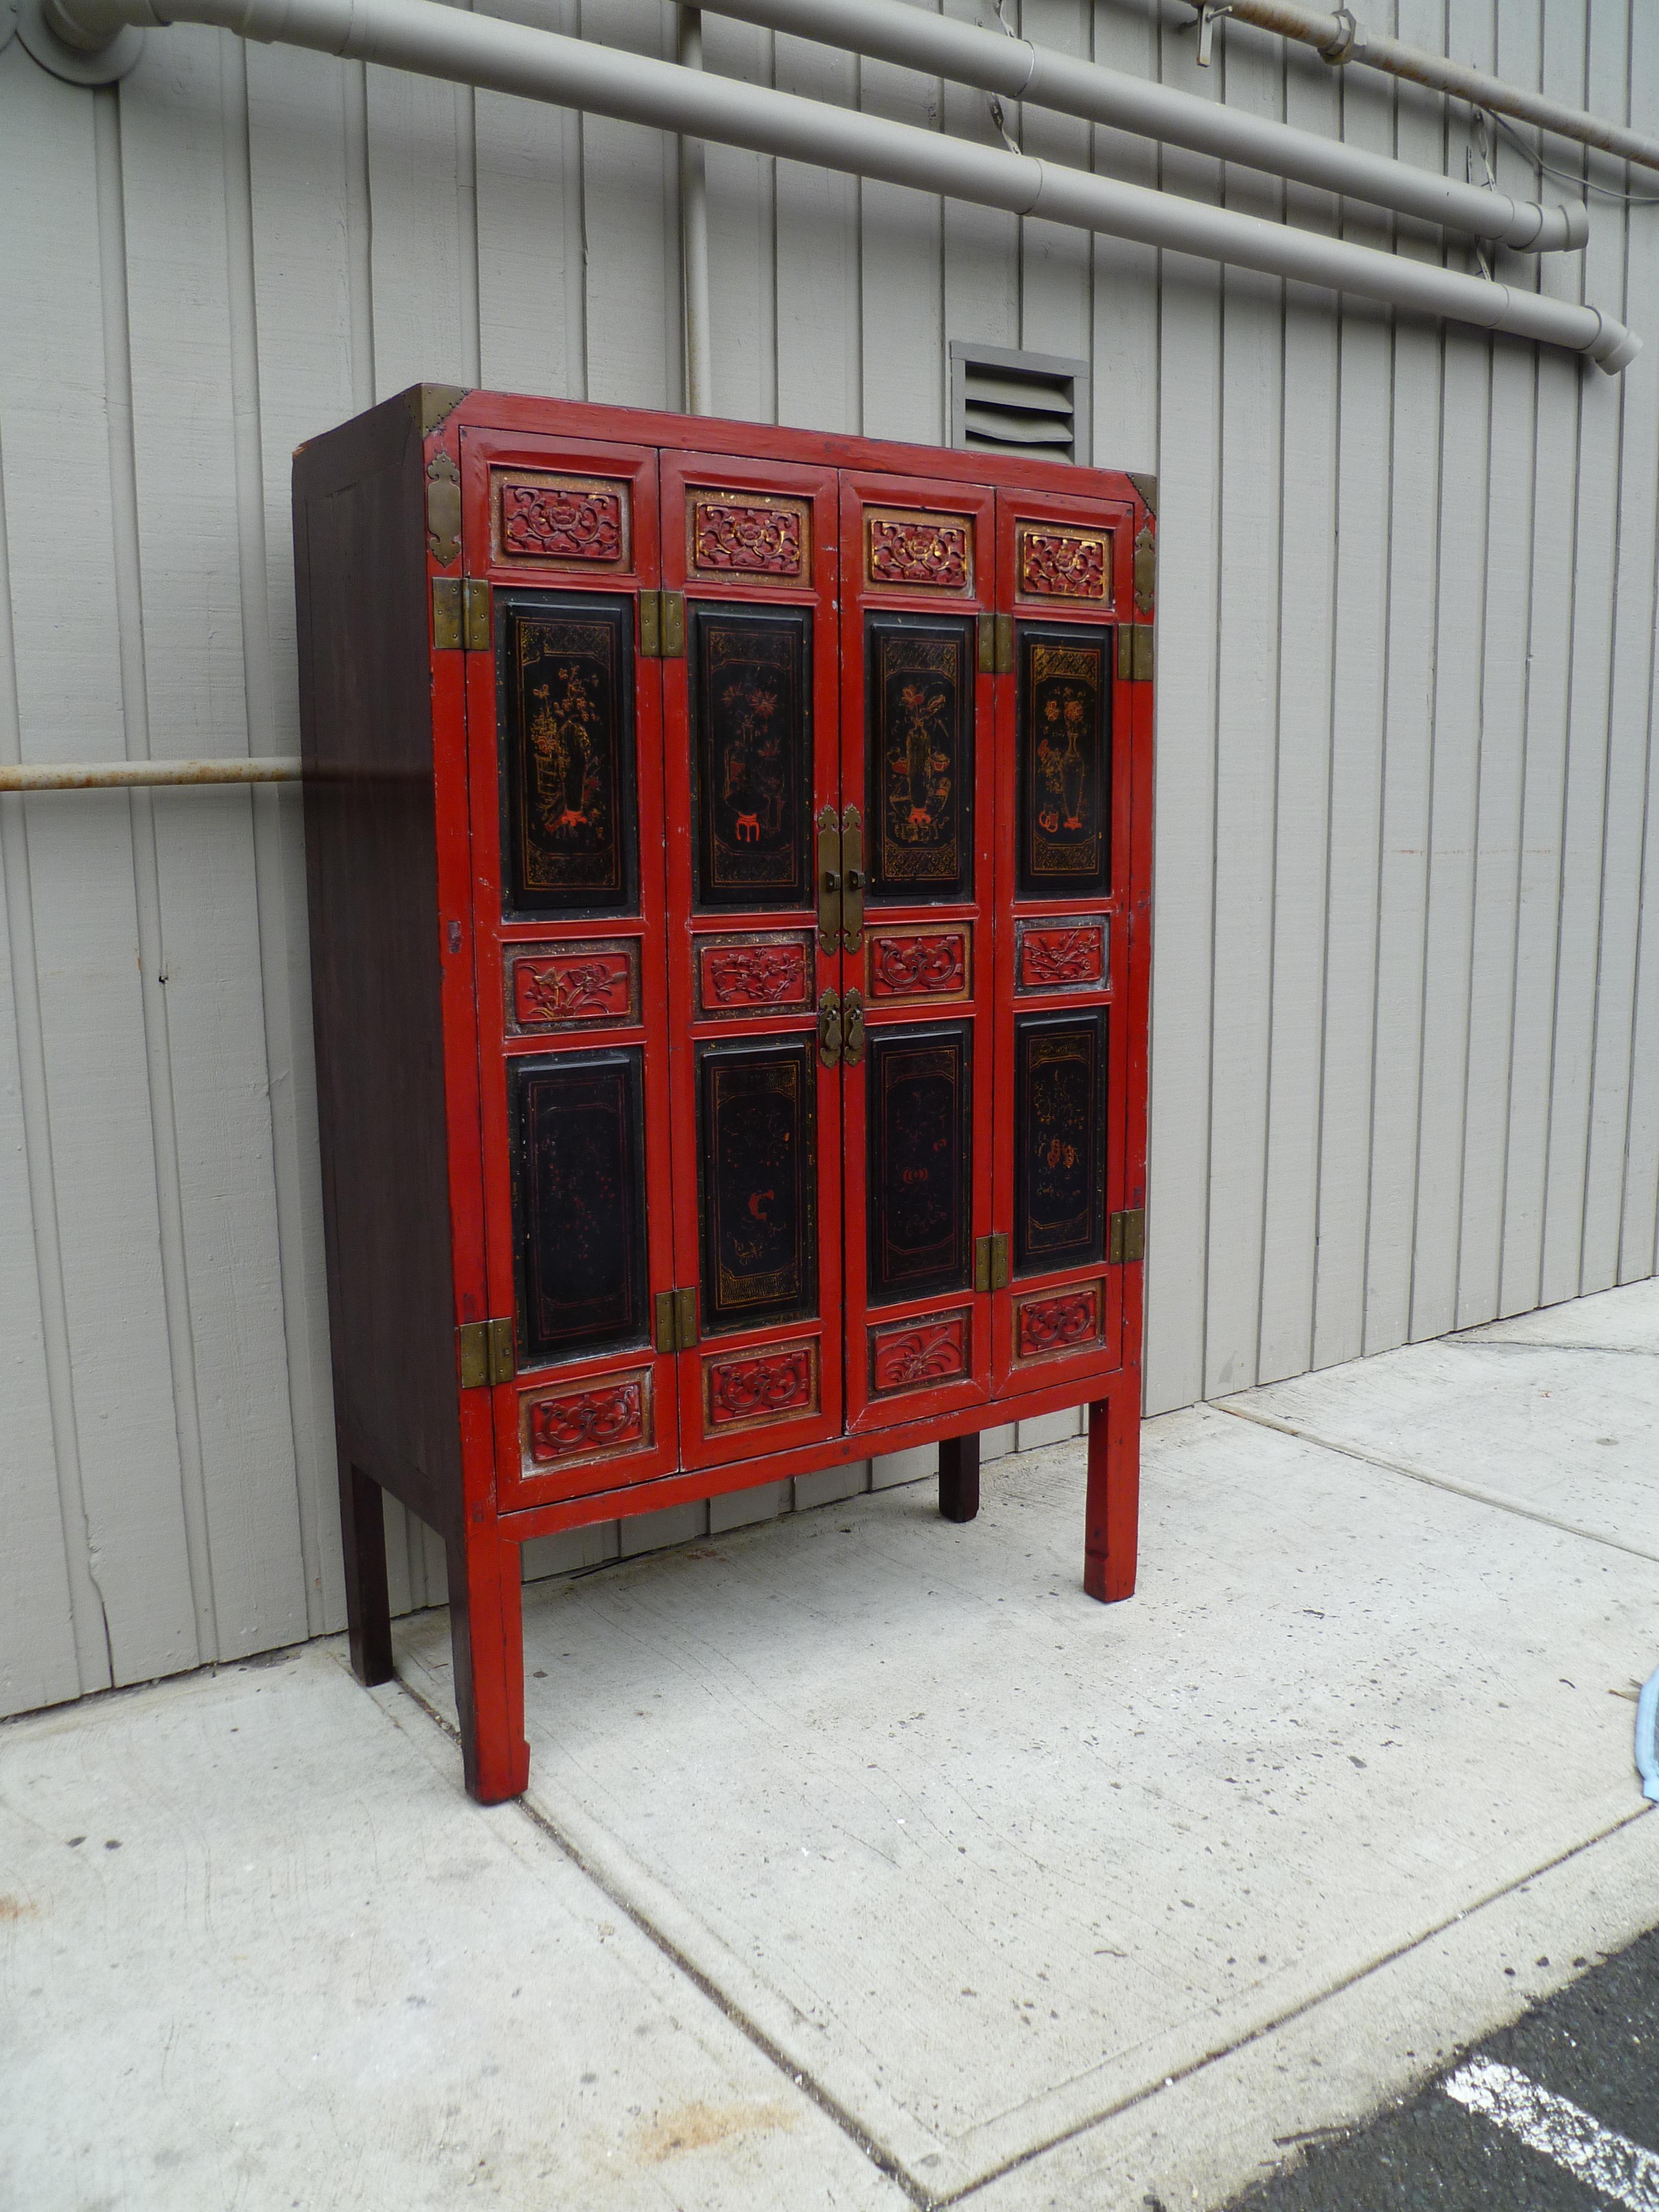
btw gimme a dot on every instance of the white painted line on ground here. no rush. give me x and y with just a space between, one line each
1602 2159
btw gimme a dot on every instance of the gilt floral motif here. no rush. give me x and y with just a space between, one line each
1056 565
748 541
552 521
920 550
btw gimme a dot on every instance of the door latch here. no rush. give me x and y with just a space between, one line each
852 880
676 1320
1129 1237
991 1262
829 1028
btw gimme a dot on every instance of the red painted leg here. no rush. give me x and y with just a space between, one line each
369 1609
1114 1503
486 1628
959 1478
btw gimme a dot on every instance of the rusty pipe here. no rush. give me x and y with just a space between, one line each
1342 39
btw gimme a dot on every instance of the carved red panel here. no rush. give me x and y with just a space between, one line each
915 1354
610 1415
571 520
758 539
1060 956
936 551
761 1386
1058 1323
572 988
1059 564
918 964
759 972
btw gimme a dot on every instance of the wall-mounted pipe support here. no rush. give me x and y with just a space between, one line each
1014 69
1342 39
463 48
125 774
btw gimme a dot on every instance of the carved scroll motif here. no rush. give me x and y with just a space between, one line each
926 1351
917 967
761 1386
1056 1324
1057 565
602 1418
921 549
748 541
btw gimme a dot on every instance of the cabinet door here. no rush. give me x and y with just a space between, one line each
1064 844
918 962
750 691
560 538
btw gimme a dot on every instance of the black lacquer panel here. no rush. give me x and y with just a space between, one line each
919 758
578 1129
749 684
757 1199
1064 755
565 686
920 1180
1059 1141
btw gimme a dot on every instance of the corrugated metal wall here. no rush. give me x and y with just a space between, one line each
1405 1070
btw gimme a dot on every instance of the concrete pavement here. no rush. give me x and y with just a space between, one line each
865 1861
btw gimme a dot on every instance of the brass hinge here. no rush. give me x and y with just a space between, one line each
852 1029
830 1028
460 614
662 625
1134 652
991 1262
1146 568
996 645
829 828
676 1320
486 1353
445 614
852 880
1128 1241
475 614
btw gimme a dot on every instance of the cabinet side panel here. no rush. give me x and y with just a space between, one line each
366 715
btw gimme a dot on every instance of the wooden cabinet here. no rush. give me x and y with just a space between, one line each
729 856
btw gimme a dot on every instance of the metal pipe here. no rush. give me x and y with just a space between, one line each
1014 69
694 240
1341 40
115 775
454 44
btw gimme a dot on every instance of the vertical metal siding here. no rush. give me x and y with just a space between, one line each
1406 1018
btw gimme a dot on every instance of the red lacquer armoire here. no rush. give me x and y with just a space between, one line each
729 854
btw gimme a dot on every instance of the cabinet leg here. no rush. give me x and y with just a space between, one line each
369 1609
1113 1509
486 1628
959 1478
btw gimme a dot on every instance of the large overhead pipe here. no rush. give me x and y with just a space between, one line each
1014 69
1341 38
453 42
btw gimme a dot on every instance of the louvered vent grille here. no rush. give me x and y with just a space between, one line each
1019 403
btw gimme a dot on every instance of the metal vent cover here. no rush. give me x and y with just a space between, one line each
1006 401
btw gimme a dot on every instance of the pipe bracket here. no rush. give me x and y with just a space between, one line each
1349 36
41 40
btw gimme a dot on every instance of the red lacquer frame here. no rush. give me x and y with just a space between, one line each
640 982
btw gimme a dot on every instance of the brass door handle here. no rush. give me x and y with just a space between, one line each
830 1033
852 1028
